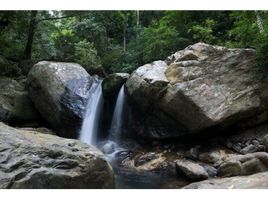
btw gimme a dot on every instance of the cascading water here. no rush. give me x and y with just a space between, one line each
111 147
117 120
89 129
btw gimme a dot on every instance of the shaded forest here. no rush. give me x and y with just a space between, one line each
120 41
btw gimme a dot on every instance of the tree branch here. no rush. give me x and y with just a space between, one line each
55 18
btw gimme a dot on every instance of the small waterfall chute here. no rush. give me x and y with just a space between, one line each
112 146
116 128
90 123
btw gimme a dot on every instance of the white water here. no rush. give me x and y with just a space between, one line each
111 147
117 120
89 129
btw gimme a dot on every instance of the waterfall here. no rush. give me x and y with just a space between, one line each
112 146
117 120
89 129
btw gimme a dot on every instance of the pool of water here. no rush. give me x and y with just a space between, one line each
127 178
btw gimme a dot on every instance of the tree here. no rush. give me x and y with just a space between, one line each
30 37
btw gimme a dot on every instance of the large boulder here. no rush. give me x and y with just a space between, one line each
60 91
34 160
255 181
145 86
15 106
201 87
112 84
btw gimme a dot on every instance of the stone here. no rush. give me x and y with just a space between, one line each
145 158
148 161
181 87
32 160
244 164
215 156
147 82
250 140
144 87
255 181
191 170
60 92
112 84
9 68
15 105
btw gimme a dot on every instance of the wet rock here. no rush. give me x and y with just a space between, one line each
31 159
191 170
15 106
60 92
112 84
149 161
256 181
145 158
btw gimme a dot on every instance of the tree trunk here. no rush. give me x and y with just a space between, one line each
28 48
259 21
138 18
124 39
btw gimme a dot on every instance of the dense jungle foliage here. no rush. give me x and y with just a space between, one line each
120 41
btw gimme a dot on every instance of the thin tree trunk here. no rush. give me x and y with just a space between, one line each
259 22
124 39
138 18
28 48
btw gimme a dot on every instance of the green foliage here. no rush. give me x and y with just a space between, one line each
204 33
121 41
244 31
86 55
262 49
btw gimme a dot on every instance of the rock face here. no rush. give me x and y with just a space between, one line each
60 91
112 84
15 105
256 181
200 87
35 160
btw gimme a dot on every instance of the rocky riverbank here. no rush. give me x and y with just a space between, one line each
200 117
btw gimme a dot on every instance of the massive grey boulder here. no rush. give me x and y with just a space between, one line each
255 181
15 105
31 159
200 87
60 91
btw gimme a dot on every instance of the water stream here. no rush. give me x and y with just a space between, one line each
89 129
117 120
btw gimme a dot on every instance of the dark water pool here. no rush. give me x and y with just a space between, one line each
127 178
